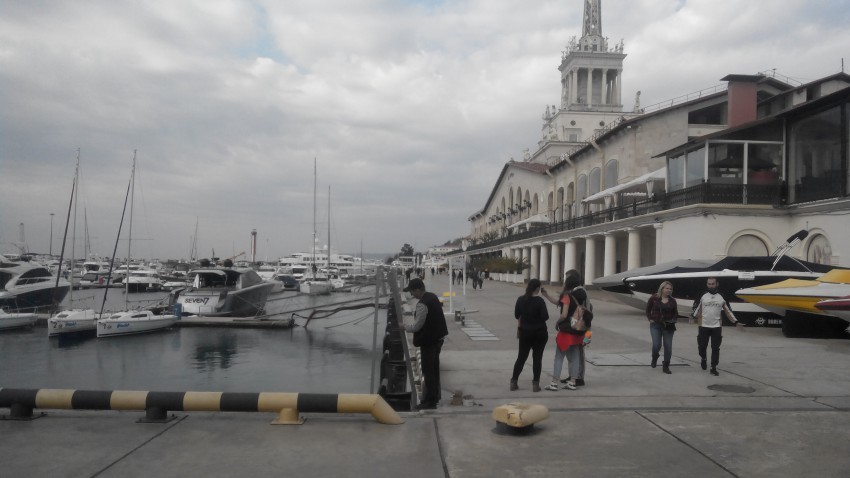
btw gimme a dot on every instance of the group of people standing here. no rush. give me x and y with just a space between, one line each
662 314
573 331
575 316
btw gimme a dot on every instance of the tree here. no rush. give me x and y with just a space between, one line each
407 250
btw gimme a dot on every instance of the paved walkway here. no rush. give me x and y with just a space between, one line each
779 408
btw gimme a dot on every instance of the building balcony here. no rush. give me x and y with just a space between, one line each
707 193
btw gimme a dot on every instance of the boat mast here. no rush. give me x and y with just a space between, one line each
65 237
315 185
118 238
130 230
328 265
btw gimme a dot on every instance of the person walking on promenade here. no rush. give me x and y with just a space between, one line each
531 316
661 312
570 341
707 310
429 330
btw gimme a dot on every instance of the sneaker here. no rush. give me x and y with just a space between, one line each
714 371
569 386
703 364
566 380
579 382
553 387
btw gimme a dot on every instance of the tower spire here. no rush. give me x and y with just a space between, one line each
591 31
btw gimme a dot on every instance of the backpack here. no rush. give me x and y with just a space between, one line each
587 305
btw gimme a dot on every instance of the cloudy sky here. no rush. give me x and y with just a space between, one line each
410 107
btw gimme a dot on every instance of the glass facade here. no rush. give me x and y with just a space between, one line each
817 169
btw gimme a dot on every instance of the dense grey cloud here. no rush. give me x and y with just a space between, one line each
410 107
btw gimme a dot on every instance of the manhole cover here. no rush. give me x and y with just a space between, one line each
732 388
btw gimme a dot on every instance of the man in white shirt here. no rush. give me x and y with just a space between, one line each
707 310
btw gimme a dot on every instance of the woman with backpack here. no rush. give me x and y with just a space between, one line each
573 324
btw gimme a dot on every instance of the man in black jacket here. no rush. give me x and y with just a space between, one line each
429 328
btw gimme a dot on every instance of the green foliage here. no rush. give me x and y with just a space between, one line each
501 264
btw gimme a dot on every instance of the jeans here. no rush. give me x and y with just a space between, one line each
577 360
659 335
715 334
531 341
430 357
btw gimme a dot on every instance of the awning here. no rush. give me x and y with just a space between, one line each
642 185
537 218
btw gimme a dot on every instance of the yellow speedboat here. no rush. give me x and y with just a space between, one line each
798 294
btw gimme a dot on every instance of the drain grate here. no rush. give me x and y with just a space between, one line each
732 388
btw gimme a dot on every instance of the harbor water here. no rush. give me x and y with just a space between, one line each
331 355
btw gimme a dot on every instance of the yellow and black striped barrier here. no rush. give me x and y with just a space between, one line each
156 405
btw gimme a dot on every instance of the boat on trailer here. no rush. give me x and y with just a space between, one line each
732 273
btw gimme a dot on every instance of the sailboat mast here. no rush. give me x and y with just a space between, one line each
130 230
328 265
315 185
65 237
74 231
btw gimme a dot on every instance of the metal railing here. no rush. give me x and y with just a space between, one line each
628 207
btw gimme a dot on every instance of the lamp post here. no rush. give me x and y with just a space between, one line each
51 234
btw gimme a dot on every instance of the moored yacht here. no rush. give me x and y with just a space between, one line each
133 322
75 321
15 320
26 287
223 291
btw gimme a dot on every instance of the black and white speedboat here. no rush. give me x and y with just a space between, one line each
27 287
733 273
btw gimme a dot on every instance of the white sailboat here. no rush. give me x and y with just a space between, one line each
132 321
314 283
72 321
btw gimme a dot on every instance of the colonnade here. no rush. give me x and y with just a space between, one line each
611 87
550 258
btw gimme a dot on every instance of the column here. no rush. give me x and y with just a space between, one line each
589 260
610 265
634 248
534 254
659 256
544 263
604 93
619 86
589 86
555 272
570 255
574 87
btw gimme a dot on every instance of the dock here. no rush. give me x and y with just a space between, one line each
778 408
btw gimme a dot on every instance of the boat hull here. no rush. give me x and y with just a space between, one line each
836 307
70 322
15 320
131 323
40 299
223 302
316 287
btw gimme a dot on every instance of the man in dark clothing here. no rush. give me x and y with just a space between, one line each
429 328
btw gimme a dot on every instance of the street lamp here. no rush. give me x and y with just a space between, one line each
51 234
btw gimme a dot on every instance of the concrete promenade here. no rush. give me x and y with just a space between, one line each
779 408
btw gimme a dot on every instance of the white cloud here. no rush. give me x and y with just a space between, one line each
411 108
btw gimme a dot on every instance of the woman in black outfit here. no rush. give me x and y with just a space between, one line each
531 315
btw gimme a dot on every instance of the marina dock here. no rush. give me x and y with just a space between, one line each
779 408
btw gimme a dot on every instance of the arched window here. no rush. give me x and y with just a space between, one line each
747 245
559 204
819 250
581 193
611 176
570 200
535 205
593 184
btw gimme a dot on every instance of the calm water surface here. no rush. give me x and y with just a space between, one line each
334 356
